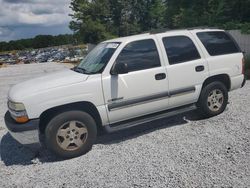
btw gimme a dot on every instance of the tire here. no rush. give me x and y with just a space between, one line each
213 99
70 134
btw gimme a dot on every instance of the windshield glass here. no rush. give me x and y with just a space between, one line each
97 59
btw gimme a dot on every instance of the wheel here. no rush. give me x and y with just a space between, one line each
213 99
71 134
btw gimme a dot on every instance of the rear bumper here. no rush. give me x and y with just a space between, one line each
26 134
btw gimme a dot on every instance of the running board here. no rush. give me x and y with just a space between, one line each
149 118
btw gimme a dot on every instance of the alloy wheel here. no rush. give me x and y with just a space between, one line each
72 135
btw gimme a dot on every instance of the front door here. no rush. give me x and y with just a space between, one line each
143 90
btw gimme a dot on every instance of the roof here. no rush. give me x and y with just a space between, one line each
159 31
123 39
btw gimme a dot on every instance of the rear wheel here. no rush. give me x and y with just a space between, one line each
213 99
70 134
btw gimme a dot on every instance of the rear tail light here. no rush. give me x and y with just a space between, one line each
243 65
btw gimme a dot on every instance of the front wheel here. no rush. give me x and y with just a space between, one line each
70 134
213 99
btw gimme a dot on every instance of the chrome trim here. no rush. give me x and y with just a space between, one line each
115 105
16 114
116 99
136 101
183 91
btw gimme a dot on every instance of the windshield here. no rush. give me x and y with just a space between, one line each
97 59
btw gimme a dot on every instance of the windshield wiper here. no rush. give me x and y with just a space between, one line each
80 70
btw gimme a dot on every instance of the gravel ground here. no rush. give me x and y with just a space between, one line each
182 151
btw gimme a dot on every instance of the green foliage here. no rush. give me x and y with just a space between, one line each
40 41
244 27
230 14
97 20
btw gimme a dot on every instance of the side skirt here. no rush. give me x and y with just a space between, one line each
148 118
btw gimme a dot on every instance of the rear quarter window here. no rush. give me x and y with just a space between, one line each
218 43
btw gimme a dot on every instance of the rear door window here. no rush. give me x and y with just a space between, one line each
180 49
218 43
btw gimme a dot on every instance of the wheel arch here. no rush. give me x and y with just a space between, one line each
85 106
224 78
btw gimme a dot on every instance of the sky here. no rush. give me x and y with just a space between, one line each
28 18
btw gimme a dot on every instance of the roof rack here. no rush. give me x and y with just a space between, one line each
163 30
201 27
160 30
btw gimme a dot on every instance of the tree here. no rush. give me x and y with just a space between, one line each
97 20
91 20
40 41
228 14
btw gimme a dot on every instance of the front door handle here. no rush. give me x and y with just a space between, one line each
199 68
160 76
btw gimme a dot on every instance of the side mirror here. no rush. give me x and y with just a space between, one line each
119 68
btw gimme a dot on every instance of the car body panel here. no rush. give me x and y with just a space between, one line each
182 84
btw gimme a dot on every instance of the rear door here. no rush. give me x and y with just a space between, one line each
187 67
222 53
144 89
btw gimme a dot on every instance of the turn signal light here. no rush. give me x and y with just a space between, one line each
22 119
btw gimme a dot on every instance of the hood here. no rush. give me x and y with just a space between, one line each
49 81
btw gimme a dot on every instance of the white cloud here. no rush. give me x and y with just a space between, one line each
4 31
42 13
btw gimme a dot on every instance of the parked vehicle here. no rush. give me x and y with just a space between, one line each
125 82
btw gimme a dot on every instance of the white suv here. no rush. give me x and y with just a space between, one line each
125 82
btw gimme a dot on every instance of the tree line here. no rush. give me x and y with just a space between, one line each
40 41
97 20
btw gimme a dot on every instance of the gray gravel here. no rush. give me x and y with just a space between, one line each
178 152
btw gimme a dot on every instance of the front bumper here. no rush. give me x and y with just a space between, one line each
26 134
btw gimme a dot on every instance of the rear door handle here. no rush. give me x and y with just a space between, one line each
160 76
199 68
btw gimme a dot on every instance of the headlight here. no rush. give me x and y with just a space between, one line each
18 112
16 106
